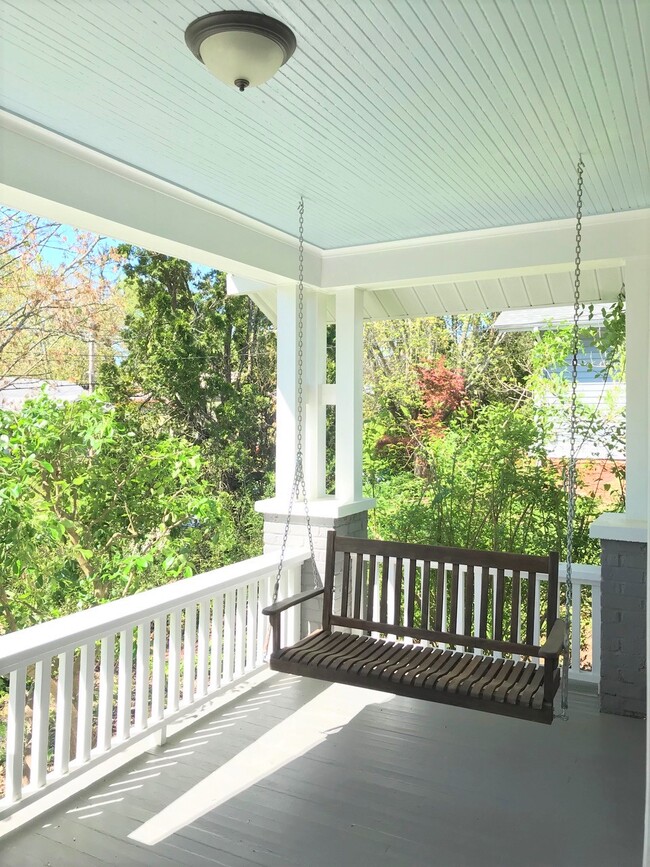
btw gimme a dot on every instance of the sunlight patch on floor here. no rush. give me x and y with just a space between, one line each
290 739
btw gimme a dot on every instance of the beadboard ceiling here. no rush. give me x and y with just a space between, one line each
395 118
482 296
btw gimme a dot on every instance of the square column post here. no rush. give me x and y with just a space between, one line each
624 561
315 352
349 394
287 390
346 512
637 317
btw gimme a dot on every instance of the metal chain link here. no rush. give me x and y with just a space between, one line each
298 486
572 475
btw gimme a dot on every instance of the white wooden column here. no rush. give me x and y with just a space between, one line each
637 320
315 355
646 835
349 394
287 396
314 374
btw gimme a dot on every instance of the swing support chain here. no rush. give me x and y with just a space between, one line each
298 487
572 470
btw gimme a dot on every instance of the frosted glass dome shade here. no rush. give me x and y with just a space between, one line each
240 56
243 49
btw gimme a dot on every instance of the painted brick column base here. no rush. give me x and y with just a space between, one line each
623 630
350 525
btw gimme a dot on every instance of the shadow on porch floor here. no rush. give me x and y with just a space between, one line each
299 772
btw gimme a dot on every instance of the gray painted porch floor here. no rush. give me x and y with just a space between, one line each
401 783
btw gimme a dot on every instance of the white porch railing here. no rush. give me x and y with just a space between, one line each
87 685
585 618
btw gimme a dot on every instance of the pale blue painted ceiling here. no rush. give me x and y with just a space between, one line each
395 118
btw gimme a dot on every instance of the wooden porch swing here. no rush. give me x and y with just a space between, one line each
392 590
442 624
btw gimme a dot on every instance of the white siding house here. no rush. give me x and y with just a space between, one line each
601 396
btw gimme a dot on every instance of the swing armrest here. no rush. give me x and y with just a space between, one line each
554 644
290 601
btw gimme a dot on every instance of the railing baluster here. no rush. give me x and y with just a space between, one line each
442 576
407 588
251 625
15 734
595 631
85 701
158 668
240 630
142 676
390 590
575 628
189 653
294 578
460 605
63 728
264 598
478 586
215 641
106 676
229 637
203 648
40 722
173 680
124 684
283 592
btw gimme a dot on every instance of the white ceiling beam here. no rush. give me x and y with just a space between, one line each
535 248
46 174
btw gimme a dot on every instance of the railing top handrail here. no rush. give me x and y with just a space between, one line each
44 639
582 573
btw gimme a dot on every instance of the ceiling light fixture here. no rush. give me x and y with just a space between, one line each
243 49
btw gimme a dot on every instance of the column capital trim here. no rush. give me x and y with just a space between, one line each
324 507
617 526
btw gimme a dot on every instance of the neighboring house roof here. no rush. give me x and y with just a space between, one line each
14 392
546 318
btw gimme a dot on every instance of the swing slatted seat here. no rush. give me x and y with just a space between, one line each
443 624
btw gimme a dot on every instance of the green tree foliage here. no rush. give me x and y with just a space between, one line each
94 506
489 484
456 443
200 365
402 361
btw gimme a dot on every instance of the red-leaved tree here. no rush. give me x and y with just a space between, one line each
442 390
